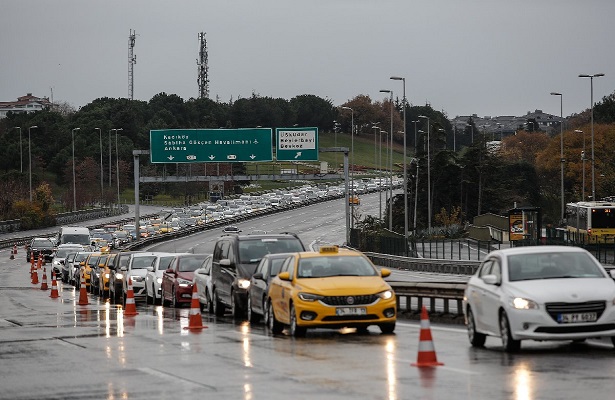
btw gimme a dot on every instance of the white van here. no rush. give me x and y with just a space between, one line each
75 235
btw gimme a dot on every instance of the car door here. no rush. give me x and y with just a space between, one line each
282 305
476 292
491 298
168 278
227 272
258 285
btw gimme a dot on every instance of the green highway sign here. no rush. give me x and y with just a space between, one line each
296 144
210 145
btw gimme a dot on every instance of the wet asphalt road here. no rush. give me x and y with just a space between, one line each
55 348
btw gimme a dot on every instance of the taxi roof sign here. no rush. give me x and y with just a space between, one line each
328 249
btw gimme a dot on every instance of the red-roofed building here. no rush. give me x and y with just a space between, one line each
24 104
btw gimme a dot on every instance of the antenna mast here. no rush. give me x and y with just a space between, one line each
132 60
203 68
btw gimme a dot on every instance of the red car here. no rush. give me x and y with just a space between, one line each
177 279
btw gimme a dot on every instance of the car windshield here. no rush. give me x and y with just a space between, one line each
191 263
142 262
61 253
251 251
552 266
42 243
322 267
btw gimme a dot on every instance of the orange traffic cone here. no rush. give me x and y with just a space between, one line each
39 263
13 252
54 286
427 351
31 261
83 293
131 308
44 285
195 322
34 276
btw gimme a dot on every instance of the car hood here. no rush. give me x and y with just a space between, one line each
343 285
138 272
246 270
189 275
571 290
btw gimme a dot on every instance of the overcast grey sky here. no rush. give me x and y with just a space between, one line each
485 57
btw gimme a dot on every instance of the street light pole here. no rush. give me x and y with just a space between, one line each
583 161
390 164
74 180
20 150
593 161
351 165
561 150
380 170
30 159
428 173
101 168
117 167
399 78
110 157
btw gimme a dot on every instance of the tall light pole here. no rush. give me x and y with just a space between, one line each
30 159
101 168
415 136
399 78
380 170
390 164
583 161
117 167
20 150
375 127
561 150
351 165
428 173
591 82
74 178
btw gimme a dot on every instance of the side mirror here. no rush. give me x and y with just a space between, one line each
258 275
491 280
225 262
612 273
285 276
150 269
385 272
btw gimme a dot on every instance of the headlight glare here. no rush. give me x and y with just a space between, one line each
387 294
524 304
243 283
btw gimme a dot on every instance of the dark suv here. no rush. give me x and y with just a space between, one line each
41 245
235 259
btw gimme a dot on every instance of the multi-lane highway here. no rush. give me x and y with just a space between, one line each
55 348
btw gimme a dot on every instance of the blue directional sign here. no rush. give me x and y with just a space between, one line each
210 145
296 144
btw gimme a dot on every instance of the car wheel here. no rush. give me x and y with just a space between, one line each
274 325
163 298
613 340
265 312
510 345
210 304
476 339
295 329
387 328
252 317
148 298
174 301
218 307
238 313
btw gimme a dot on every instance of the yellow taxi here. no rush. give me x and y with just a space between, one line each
331 288
354 200
86 268
106 268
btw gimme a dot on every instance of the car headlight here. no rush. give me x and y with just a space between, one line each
57 263
243 283
524 304
387 294
310 297
184 282
107 276
159 281
119 276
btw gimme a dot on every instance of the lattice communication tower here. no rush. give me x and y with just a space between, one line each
132 60
203 68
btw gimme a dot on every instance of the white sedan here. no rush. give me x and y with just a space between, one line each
204 287
153 277
539 293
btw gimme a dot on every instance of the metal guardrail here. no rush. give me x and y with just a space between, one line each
441 266
440 297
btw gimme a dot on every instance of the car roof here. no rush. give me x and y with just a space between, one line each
537 249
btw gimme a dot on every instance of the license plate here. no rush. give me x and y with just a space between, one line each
577 317
344 311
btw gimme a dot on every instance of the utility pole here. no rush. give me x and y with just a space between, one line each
202 67
132 60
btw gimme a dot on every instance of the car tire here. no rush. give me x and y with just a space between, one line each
295 330
274 325
238 312
613 340
387 328
510 345
148 298
210 303
163 299
218 307
174 302
476 339
252 317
